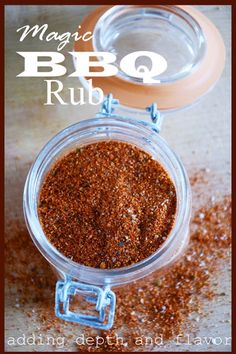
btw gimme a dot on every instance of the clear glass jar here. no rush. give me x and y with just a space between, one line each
76 276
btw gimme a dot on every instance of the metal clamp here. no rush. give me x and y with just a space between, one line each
104 300
154 113
110 105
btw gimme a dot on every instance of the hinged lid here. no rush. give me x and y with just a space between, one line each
183 36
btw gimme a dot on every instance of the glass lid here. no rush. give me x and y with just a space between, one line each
189 43
168 31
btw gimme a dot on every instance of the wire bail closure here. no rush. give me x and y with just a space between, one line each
103 298
110 105
154 113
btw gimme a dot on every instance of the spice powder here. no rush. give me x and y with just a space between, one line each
165 304
107 205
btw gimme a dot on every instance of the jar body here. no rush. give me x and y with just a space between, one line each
135 132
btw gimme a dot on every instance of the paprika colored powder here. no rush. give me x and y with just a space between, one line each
107 205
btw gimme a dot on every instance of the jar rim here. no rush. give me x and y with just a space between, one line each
121 14
174 95
112 276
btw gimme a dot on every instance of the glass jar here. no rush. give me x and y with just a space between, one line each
196 41
77 277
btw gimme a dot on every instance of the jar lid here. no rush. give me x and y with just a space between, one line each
189 42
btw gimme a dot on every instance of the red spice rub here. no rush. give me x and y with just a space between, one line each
107 205
162 304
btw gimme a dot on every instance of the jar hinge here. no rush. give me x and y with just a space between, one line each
110 106
103 298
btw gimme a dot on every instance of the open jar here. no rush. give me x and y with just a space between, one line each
195 40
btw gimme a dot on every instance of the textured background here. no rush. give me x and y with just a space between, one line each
200 136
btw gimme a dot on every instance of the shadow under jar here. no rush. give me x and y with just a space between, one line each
195 41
